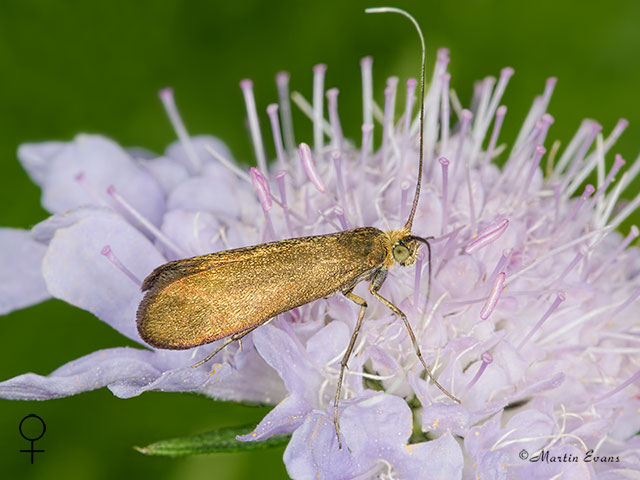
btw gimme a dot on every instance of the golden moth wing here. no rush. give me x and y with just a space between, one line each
198 300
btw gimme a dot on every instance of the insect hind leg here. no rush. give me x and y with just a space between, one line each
236 336
343 363
373 289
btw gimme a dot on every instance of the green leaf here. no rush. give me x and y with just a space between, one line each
222 440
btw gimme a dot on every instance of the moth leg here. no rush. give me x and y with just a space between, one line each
236 336
374 286
343 364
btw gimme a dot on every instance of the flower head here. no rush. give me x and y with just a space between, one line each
529 319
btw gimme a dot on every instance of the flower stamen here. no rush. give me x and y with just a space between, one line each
408 107
272 112
487 359
318 107
334 119
487 236
108 253
366 65
560 297
494 296
282 83
169 103
309 167
246 86
151 228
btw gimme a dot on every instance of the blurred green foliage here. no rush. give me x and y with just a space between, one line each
75 66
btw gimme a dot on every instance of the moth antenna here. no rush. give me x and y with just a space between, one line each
426 242
416 197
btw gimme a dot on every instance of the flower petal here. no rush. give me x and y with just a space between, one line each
101 163
284 418
442 417
197 233
329 343
433 460
177 152
290 360
21 282
375 425
36 159
205 194
87 373
75 270
313 452
249 379
168 172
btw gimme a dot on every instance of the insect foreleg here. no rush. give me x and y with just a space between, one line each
373 288
236 336
343 364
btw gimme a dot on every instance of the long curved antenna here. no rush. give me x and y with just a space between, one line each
426 242
416 197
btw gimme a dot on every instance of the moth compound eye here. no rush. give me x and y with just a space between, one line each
400 253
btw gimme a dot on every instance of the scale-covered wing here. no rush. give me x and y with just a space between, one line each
197 300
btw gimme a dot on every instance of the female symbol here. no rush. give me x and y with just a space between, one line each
44 429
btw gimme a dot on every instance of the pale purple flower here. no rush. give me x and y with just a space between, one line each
530 322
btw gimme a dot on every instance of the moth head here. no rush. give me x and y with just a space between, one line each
405 251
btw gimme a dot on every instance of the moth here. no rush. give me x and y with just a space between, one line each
228 294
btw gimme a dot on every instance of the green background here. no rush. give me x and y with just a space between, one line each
78 66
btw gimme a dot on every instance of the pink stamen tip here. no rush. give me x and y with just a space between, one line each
366 61
488 236
444 161
165 93
634 231
619 161
501 111
367 128
588 190
595 128
443 53
310 168
507 72
319 68
540 150
261 186
280 174
282 78
412 82
272 109
547 119
78 177
111 190
467 115
494 296
622 123
109 255
246 84
332 93
487 359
